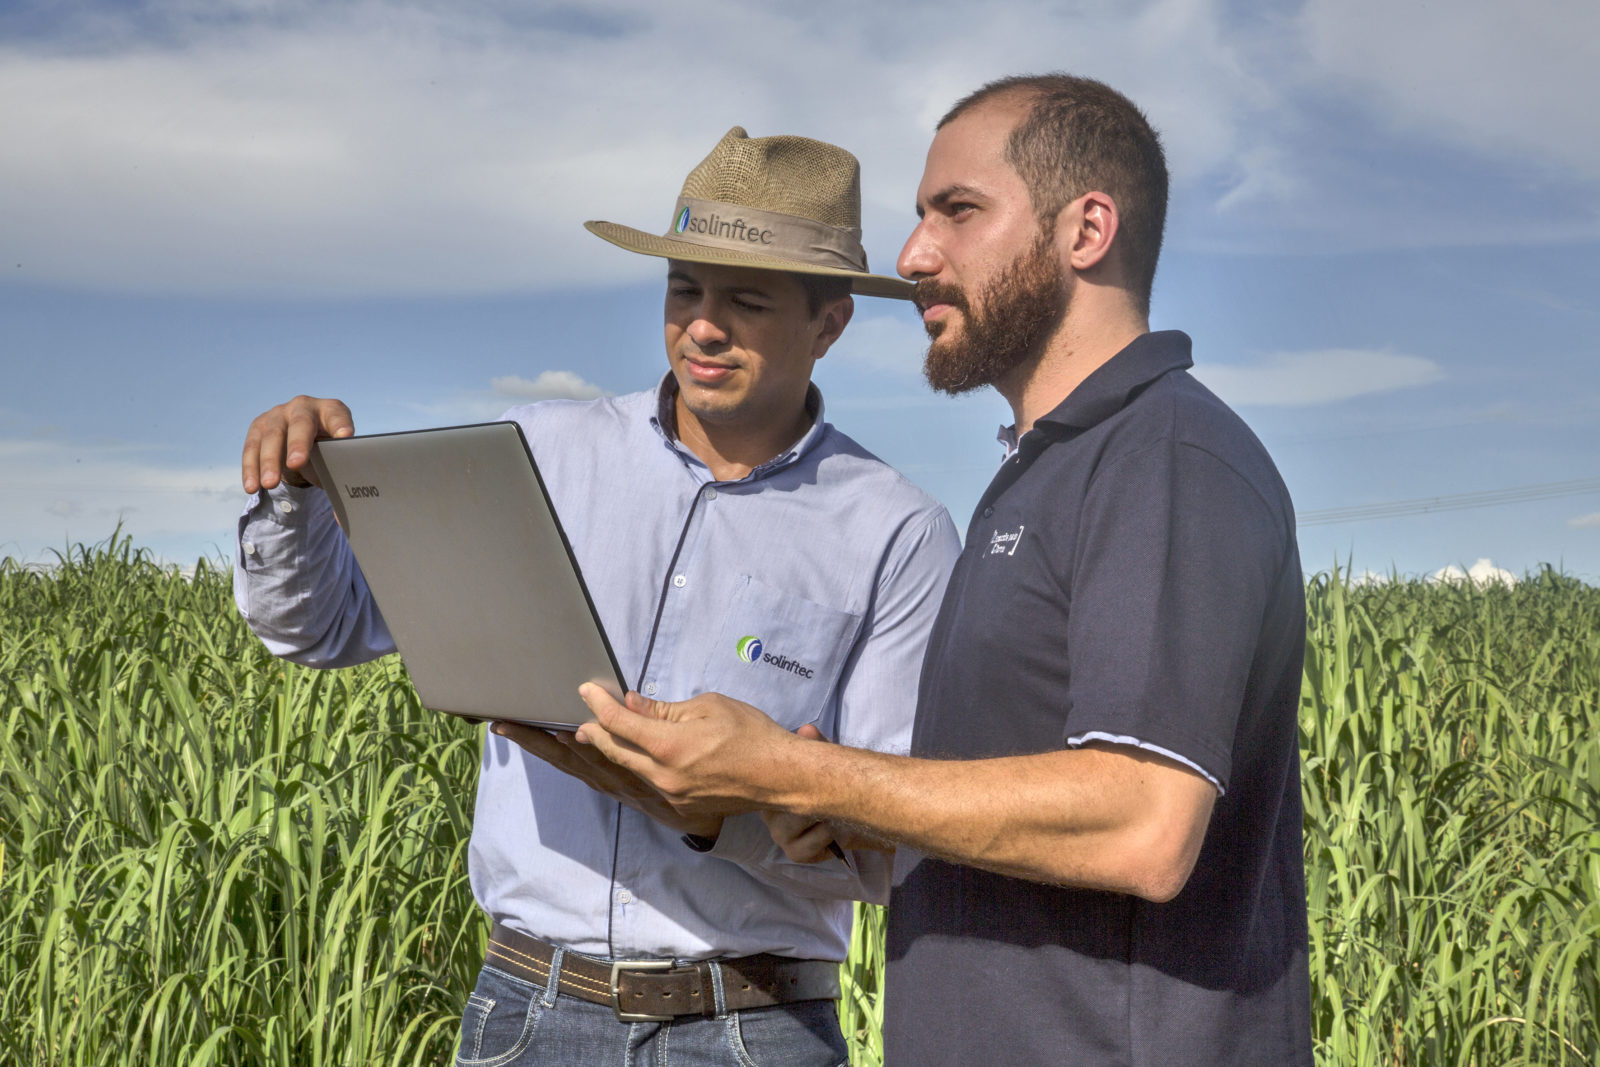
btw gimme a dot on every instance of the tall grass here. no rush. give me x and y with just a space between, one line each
211 856
1451 738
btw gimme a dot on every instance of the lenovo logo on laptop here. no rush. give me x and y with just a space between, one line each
353 491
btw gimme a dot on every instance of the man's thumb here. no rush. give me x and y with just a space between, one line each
650 709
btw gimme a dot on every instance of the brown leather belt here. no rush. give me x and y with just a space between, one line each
659 990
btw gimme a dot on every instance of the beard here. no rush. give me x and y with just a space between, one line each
1015 315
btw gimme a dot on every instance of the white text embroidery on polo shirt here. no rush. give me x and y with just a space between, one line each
1005 544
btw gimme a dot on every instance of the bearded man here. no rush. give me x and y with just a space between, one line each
1104 767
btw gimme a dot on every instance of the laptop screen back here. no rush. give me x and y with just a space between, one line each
466 558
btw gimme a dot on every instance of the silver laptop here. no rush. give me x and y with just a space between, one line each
467 560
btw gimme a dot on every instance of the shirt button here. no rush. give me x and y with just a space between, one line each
624 897
650 689
679 580
711 492
988 512
286 506
249 548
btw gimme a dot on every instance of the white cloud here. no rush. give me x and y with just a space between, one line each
887 342
1481 574
1514 80
1302 379
1586 522
1265 175
549 385
56 493
482 405
425 147
431 148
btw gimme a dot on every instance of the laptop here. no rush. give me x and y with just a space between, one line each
466 558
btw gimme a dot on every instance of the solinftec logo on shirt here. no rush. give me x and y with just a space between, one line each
749 650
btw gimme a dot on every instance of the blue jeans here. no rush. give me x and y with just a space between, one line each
509 1022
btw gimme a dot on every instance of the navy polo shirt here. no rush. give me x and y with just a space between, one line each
1130 574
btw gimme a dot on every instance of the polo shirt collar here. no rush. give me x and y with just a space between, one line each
665 421
1007 436
1116 381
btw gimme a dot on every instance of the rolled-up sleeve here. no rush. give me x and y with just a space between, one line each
297 584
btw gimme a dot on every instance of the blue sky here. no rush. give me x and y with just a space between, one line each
1384 235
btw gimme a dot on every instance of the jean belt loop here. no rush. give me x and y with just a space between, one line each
551 986
716 988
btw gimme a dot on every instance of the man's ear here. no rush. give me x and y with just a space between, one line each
1087 229
835 317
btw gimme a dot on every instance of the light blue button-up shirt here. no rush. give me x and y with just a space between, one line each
807 588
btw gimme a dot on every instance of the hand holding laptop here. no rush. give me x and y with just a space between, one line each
563 752
807 840
802 840
277 447
696 753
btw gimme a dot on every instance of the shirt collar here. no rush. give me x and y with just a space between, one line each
1112 385
1122 377
665 421
1007 436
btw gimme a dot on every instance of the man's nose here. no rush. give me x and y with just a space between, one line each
919 258
706 328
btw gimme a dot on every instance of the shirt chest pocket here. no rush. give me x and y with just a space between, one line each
780 652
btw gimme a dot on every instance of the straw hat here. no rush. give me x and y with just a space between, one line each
777 203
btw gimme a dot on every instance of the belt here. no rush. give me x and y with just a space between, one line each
647 990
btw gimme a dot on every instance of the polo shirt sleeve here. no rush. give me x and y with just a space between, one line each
1177 554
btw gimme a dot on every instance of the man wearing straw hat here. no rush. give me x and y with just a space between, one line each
732 540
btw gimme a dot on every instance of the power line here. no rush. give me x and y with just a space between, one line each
1458 502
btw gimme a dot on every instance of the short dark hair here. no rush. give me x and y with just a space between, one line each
1081 135
822 289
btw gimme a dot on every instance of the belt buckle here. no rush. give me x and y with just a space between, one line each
617 967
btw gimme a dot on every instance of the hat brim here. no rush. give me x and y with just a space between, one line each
651 244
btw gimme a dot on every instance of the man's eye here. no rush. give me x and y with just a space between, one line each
747 305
